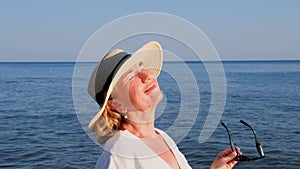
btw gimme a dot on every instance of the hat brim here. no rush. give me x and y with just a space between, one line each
150 54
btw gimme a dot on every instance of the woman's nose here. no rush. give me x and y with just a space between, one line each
145 76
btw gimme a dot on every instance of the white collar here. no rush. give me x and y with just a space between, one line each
126 144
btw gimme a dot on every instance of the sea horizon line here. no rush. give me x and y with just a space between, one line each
168 61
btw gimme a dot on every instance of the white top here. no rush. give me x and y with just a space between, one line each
126 151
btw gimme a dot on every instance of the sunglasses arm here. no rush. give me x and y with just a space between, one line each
257 143
230 138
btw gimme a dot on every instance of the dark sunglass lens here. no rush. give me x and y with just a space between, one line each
241 158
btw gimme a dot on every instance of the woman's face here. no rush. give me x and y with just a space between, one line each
137 90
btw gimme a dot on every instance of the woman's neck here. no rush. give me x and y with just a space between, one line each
141 130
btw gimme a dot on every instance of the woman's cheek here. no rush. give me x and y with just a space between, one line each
133 90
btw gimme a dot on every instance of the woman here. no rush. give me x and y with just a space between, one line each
126 88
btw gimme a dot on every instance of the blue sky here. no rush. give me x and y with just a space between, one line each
52 30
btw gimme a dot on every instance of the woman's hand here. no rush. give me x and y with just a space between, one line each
224 159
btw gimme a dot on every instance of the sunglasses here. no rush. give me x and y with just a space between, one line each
257 143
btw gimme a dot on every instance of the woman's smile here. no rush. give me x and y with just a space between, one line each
152 87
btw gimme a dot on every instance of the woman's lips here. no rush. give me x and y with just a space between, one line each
152 87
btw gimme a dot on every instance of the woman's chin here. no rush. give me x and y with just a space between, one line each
156 96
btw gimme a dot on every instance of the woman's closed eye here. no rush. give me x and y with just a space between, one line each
134 71
131 76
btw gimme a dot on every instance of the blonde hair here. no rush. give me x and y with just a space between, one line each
107 125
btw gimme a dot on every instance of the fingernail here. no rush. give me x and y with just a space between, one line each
233 154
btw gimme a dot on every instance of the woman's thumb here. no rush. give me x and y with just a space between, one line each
230 156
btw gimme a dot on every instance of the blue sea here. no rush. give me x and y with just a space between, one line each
42 126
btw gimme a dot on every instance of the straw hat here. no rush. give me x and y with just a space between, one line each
114 65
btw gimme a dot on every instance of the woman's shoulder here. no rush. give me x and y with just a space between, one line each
125 144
